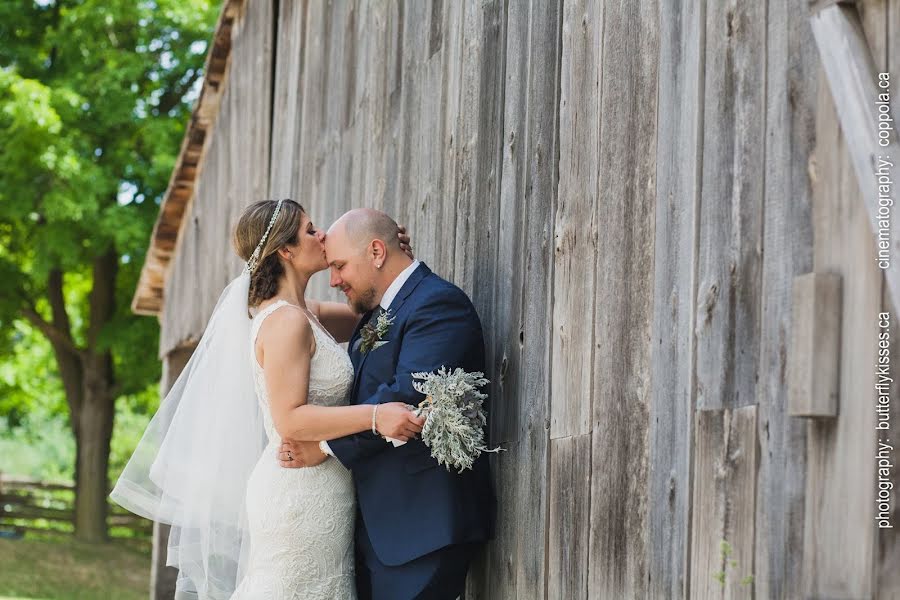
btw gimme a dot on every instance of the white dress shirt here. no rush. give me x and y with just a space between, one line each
389 294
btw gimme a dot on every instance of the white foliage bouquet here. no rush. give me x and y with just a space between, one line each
454 416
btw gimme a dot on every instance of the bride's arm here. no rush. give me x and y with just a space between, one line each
288 344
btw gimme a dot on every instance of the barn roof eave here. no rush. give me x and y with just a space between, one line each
149 294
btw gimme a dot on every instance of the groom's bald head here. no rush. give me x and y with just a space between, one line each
364 255
360 226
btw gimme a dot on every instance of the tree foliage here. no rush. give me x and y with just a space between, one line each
94 97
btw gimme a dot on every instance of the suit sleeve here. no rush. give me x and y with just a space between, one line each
443 332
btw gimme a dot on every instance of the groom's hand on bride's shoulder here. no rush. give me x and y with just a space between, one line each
294 455
405 242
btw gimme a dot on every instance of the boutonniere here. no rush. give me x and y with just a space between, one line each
371 333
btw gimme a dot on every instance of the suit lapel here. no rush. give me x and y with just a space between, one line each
353 345
414 280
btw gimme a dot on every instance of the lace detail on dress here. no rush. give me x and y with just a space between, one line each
301 520
330 374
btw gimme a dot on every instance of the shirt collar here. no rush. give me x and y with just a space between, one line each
394 288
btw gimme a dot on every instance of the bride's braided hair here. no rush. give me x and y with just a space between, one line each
265 269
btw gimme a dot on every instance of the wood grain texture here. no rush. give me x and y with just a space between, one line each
522 311
623 310
451 107
570 475
625 190
148 297
731 205
814 353
287 106
313 137
722 532
792 71
479 153
833 518
575 246
679 134
851 75
235 173
888 553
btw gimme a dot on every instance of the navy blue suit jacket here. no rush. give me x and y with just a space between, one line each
411 505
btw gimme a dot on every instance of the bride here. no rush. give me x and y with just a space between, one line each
242 526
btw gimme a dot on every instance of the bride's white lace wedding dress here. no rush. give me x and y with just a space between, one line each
301 520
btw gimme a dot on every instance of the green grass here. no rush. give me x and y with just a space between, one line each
60 568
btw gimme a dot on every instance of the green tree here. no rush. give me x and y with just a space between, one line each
94 96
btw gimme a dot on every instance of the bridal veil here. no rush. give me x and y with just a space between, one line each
190 469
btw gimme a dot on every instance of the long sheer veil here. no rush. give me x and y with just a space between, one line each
192 465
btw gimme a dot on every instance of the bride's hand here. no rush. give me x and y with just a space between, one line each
404 241
294 455
395 420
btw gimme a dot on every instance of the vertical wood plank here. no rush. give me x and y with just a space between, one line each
521 359
731 203
333 197
478 169
574 285
286 102
372 114
451 96
574 278
313 149
570 478
623 313
722 534
395 81
414 96
787 251
678 153
494 575
503 553
429 139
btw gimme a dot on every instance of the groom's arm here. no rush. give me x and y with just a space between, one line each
444 332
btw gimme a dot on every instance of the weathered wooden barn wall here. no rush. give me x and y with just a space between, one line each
837 448
627 190
234 170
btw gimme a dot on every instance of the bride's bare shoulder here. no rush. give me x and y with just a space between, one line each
286 329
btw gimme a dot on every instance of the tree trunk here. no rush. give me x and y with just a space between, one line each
94 422
89 382
94 426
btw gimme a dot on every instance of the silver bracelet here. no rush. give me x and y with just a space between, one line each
374 412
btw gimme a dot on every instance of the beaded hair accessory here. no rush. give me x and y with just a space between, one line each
254 258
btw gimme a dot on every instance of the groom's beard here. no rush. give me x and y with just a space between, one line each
365 302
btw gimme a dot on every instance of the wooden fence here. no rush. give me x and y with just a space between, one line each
31 505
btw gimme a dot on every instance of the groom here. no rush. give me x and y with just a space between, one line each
418 525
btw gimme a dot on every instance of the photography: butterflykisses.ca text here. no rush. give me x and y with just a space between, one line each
883 380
